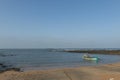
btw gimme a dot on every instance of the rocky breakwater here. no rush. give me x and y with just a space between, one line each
113 52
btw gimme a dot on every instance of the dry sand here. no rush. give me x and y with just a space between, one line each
103 72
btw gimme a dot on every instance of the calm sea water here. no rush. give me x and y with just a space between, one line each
45 59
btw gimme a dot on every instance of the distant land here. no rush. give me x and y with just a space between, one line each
113 52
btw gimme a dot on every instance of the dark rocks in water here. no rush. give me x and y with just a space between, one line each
4 55
12 55
1 64
4 68
13 69
9 69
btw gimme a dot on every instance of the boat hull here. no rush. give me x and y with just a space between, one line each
91 58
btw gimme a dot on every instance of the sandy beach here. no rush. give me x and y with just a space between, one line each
102 72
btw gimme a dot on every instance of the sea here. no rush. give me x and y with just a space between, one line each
42 59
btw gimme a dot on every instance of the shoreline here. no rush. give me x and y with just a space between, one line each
101 72
62 67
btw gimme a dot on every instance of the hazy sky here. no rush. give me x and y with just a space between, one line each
59 23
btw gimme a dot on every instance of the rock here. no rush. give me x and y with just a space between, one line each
4 55
1 64
4 66
13 69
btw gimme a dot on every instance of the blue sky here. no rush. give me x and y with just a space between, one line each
59 23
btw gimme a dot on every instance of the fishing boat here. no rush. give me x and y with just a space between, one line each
87 57
91 58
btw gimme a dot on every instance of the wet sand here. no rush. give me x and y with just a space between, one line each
103 72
